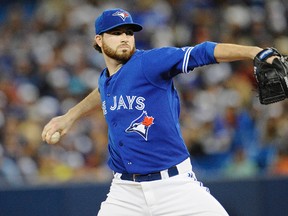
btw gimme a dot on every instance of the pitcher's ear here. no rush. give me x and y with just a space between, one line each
97 44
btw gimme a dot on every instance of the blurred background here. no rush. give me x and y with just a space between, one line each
48 64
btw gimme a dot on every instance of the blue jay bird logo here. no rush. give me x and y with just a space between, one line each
141 125
123 15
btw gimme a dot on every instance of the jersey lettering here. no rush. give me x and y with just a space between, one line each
121 103
128 102
140 102
104 107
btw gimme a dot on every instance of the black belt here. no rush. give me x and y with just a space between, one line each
172 171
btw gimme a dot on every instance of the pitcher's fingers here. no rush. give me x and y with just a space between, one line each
43 135
46 136
44 132
47 132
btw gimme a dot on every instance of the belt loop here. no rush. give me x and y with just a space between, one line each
164 174
117 175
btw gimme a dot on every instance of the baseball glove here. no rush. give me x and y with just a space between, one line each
272 78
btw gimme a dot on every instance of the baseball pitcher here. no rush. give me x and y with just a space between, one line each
152 170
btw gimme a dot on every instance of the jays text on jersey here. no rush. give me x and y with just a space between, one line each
142 108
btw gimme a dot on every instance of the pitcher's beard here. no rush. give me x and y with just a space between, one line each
122 57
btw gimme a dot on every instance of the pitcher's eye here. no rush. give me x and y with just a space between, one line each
116 32
129 32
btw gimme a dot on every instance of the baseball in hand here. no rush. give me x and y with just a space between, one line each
55 137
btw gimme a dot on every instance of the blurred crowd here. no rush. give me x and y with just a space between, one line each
48 64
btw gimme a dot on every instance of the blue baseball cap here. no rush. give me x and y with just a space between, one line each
113 18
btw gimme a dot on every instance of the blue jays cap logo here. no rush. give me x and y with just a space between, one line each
122 14
141 125
113 18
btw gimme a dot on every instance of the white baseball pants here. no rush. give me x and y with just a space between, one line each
180 195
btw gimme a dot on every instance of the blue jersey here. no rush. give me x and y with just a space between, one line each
141 107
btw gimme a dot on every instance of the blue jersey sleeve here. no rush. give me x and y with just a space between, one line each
162 64
201 54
